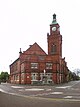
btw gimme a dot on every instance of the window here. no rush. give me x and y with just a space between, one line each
22 67
48 65
41 76
34 76
22 76
17 77
53 48
41 57
49 76
14 77
34 65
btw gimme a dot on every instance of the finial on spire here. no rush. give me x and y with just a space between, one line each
54 16
54 19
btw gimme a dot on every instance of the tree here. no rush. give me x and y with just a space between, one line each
73 76
4 76
77 71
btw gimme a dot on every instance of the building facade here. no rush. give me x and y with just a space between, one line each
35 66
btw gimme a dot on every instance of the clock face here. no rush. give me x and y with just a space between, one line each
54 29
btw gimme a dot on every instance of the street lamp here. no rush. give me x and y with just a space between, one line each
44 77
44 72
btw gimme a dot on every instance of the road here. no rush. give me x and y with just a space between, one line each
64 95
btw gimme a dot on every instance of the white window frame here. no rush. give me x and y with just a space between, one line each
48 65
34 65
34 76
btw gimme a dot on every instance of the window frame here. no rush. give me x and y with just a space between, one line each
49 65
34 65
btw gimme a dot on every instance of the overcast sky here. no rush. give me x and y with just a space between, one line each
23 22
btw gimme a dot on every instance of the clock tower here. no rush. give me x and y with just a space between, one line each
54 38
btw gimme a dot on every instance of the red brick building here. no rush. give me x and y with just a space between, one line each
35 66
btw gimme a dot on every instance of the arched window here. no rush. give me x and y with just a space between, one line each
53 48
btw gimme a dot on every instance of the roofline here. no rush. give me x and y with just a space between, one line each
14 61
32 45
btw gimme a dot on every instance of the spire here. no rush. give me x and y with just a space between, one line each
54 19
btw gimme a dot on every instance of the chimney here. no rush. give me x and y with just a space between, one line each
20 51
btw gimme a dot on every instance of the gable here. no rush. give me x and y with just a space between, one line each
35 49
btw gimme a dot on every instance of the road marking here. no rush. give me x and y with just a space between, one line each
57 93
48 89
2 90
21 90
16 87
35 95
68 97
64 87
44 94
34 89
76 89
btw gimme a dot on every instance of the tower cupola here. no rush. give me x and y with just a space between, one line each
54 19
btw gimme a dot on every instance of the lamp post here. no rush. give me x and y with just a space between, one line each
44 77
44 72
